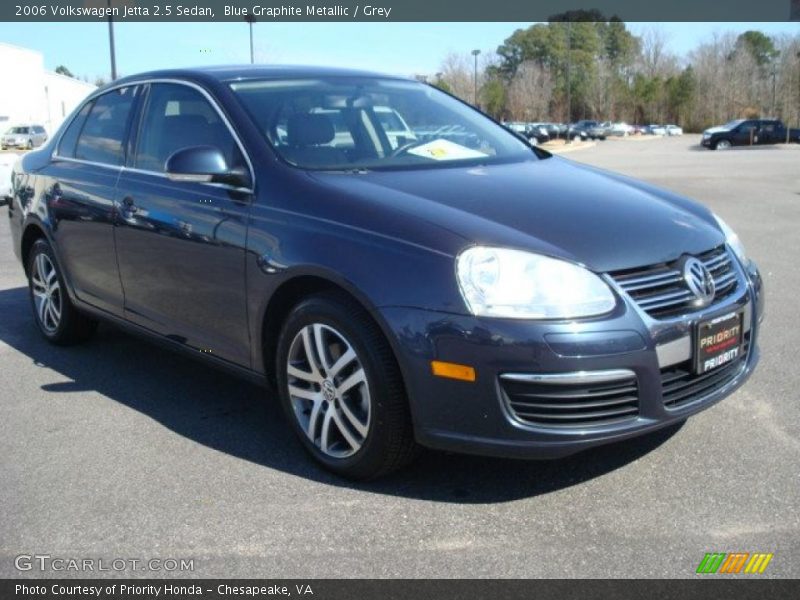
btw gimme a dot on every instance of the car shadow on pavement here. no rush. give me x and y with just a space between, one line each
240 419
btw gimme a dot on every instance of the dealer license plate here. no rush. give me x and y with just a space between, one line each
718 342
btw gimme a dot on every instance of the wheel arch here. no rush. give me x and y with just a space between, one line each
33 231
294 290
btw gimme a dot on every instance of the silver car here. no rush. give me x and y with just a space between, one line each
24 136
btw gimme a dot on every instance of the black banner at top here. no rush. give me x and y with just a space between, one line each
398 10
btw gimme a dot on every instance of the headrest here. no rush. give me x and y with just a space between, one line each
309 130
189 121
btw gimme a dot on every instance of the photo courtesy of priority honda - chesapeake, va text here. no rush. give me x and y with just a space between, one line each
404 271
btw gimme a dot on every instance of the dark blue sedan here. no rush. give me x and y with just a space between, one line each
402 270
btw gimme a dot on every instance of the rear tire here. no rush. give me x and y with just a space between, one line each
357 430
55 315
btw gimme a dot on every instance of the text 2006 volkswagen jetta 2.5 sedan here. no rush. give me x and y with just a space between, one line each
401 268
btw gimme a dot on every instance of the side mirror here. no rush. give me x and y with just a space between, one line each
204 164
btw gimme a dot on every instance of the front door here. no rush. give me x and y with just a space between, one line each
181 245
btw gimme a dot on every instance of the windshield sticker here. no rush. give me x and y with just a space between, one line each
445 150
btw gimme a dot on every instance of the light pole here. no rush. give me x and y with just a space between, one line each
774 75
111 42
569 81
250 20
475 54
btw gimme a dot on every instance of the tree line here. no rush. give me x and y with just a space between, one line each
579 65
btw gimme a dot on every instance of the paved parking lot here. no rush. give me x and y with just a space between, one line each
119 449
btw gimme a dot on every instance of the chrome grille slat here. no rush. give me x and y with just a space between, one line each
719 265
632 282
581 401
570 405
661 291
573 417
673 278
725 279
570 393
713 263
671 298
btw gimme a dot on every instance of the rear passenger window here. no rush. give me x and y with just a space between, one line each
178 117
103 133
66 147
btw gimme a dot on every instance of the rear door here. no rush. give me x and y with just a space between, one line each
181 245
80 187
768 132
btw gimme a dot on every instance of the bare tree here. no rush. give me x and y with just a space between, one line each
530 92
654 55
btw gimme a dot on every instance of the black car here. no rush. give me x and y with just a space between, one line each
584 129
746 132
538 132
396 291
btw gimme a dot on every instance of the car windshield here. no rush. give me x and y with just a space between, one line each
18 130
733 124
353 123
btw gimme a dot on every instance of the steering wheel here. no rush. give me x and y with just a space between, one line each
400 150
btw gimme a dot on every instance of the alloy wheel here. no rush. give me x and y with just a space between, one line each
723 145
46 292
328 390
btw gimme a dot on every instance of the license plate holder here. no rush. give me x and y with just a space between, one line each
718 341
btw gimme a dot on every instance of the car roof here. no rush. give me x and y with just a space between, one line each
229 73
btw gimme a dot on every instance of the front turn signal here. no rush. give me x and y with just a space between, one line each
452 370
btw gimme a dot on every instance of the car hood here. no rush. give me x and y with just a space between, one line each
718 129
553 206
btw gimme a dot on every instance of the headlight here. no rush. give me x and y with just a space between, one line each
732 240
497 282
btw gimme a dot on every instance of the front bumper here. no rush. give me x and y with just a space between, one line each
475 417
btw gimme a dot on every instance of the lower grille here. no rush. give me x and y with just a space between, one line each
572 400
681 386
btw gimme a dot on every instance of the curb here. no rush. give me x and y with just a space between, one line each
566 149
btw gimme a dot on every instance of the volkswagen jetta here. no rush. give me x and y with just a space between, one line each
439 284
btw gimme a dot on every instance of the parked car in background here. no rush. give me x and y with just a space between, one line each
639 130
600 131
744 132
23 136
494 300
656 129
673 130
582 129
620 129
517 127
538 131
554 130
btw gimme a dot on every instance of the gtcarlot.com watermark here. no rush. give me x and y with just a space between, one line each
57 564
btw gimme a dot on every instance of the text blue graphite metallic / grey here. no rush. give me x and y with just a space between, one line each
400 268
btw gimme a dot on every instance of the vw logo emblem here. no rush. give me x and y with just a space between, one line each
699 281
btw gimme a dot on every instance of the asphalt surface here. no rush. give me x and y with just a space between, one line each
119 449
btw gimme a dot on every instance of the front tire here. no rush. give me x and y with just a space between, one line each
55 315
341 388
722 145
